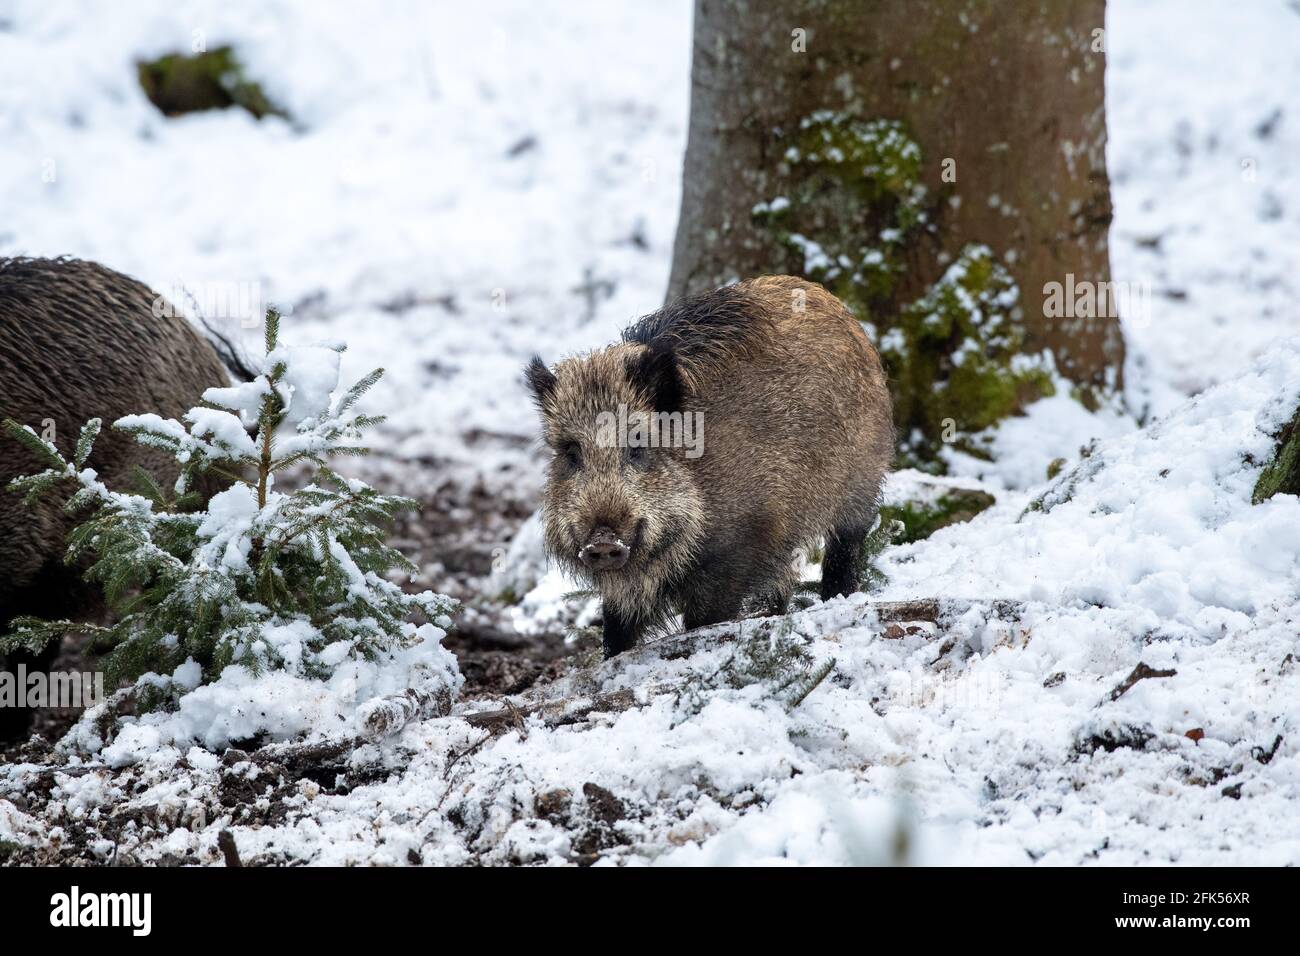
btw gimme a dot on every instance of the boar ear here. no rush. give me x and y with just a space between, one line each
541 380
655 371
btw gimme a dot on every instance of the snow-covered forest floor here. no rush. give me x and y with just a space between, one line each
464 185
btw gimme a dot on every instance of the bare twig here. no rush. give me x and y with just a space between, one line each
461 754
1141 672
446 774
226 844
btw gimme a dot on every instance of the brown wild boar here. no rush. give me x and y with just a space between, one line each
79 341
692 459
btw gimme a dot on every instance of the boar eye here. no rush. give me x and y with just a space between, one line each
571 452
638 456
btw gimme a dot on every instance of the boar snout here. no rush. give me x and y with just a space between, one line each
604 551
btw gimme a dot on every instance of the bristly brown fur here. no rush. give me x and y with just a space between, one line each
798 436
80 341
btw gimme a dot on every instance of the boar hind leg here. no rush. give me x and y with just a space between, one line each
842 567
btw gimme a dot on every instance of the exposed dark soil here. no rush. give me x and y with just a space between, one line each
455 538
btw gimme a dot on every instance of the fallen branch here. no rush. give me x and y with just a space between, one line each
388 715
555 713
574 704
895 615
297 758
70 770
940 610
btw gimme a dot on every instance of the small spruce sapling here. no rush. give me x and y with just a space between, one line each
259 577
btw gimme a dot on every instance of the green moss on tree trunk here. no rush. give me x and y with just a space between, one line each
1282 473
852 215
187 83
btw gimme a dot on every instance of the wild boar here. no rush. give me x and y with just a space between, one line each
693 458
79 341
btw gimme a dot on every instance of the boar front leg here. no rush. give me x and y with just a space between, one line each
842 567
620 632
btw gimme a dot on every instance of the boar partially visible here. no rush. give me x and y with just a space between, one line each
786 435
79 341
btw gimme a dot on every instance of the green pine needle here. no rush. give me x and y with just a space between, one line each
89 432
272 329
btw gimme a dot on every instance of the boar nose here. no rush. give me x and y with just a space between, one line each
604 551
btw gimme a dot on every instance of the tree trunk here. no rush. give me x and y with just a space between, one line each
995 135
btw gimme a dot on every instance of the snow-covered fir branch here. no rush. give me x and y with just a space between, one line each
255 577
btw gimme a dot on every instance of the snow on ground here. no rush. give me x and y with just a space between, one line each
998 737
454 176
1204 155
